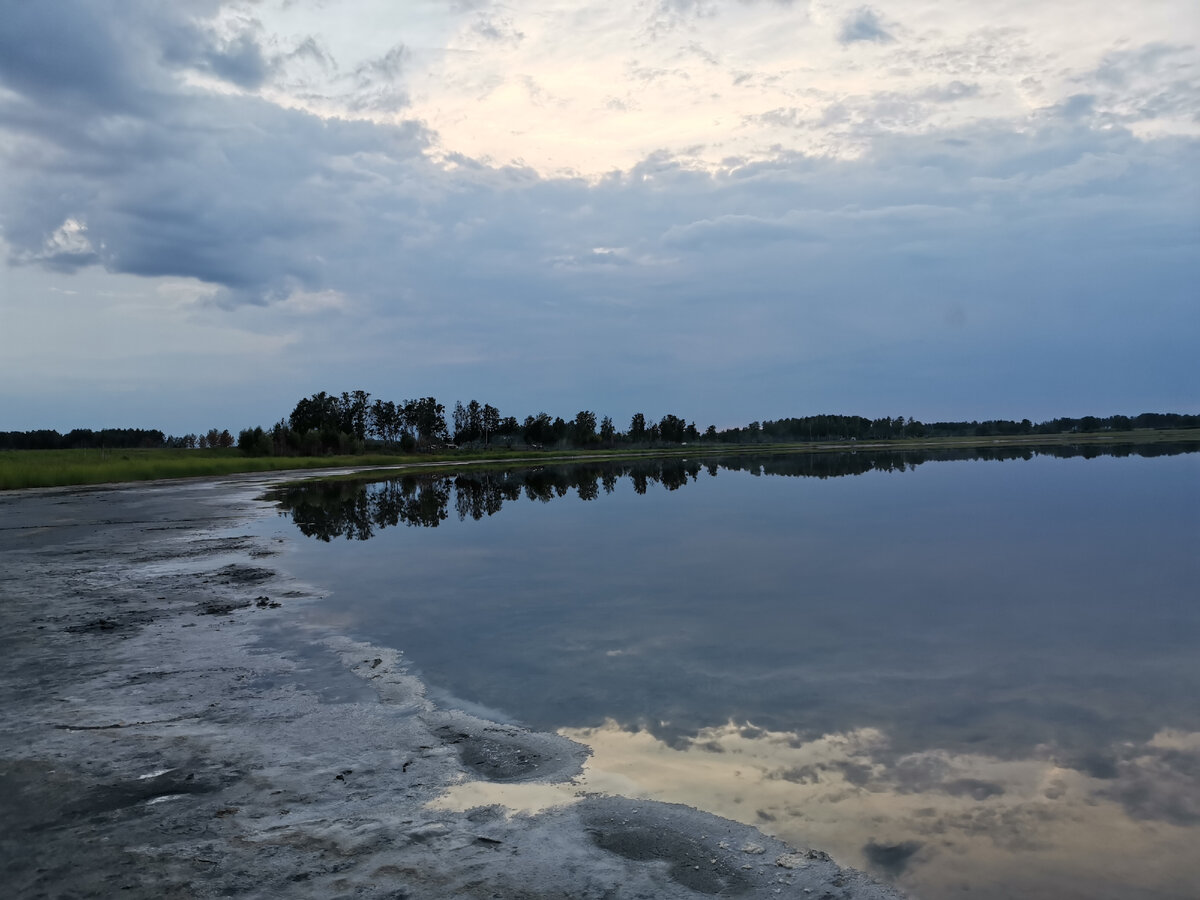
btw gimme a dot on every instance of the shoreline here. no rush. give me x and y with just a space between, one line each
22 470
170 729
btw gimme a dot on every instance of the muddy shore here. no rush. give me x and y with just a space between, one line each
171 729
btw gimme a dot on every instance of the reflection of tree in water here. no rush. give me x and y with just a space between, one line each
354 509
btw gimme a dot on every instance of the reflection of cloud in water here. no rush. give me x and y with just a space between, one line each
890 859
935 821
1160 780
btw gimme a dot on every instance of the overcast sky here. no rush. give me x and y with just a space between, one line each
724 209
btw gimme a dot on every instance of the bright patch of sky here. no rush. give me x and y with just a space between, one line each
592 87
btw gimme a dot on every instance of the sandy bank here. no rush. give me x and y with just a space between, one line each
169 729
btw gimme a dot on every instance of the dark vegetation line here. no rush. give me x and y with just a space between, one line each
352 423
359 507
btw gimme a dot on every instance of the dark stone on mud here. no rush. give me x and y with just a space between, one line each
222 607
123 622
495 757
122 794
237 574
690 862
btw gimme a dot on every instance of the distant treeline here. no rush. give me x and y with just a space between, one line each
824 428
110 439
356 511
352 422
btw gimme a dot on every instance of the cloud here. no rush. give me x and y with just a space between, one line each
950 92
725 231
184 141
975 788
239 61
1077 106
66 249
864 24
497 28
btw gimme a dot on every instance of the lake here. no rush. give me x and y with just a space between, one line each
977 672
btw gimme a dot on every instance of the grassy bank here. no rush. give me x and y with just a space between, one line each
53 468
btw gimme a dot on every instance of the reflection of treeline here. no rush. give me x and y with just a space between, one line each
830 465
356 510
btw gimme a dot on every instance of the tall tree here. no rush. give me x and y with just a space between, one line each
538 429
320 412
428 418
671 428
583 429
474 420
459 417
490 421
385 421
637 428
357 408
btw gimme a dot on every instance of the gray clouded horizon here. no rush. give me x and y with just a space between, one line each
728 211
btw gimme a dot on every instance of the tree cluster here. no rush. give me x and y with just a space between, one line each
346 422
351 421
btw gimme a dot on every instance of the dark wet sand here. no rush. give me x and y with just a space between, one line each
170 729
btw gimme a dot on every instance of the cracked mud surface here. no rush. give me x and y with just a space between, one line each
162 736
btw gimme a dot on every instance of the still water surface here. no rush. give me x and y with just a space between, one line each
969 676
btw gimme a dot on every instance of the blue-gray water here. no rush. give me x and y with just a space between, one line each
968 675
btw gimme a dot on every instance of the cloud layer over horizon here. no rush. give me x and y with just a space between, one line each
728 211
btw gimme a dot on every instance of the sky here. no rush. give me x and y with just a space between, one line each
728 210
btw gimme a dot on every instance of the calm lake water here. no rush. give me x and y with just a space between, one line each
969 676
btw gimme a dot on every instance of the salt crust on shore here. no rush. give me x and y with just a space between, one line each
169 729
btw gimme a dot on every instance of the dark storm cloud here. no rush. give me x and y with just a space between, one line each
166 180
233 191
864 25
72 53
117 56
239 61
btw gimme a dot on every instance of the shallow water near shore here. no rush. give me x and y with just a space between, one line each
972 675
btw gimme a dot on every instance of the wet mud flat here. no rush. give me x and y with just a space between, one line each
169 728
